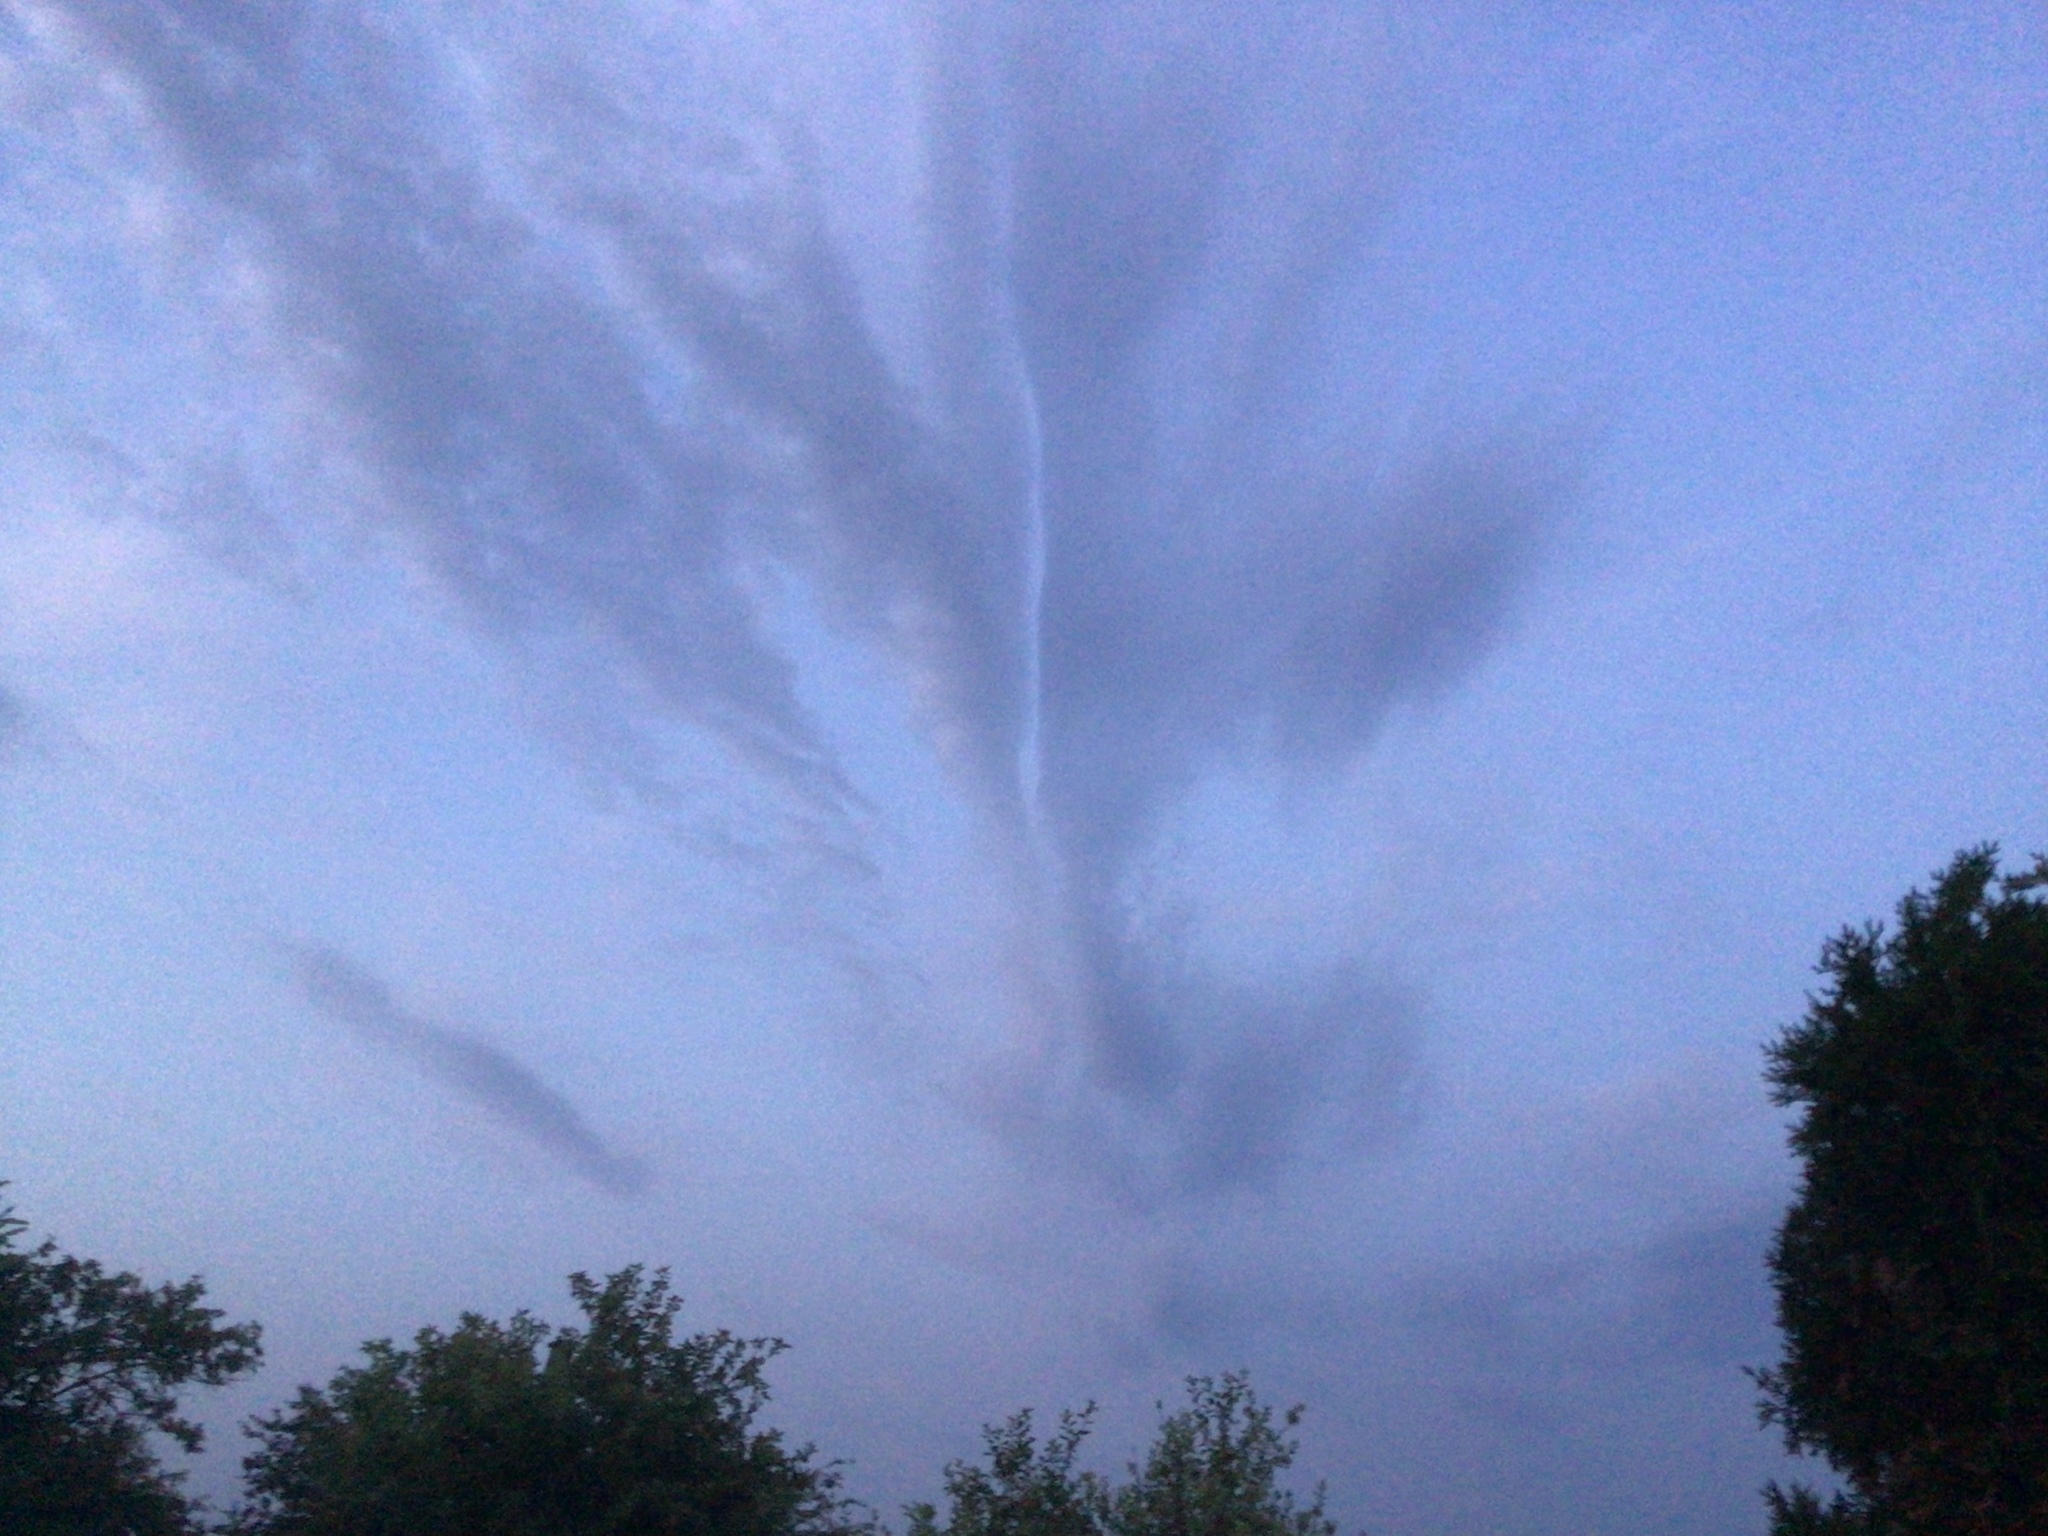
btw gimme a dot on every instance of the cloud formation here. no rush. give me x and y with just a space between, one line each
487 1076
1079 461
13 722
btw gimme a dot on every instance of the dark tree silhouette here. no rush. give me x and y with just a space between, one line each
90 1368
516 1429
1213 1470
1912 1269
1025 1489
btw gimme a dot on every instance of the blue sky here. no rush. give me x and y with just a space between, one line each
1057 695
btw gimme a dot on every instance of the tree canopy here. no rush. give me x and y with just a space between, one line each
618 1428
1912 1268
615 1428
91 1364
1025 1489
1213 1469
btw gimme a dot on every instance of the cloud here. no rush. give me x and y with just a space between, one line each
481 1072
13 722
1706 1291
575 297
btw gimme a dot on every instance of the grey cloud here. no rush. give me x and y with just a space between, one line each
591 326
476 1069
1209 591
1250 1078
1340 1049
1705 1294
1538 1387
1688 1292
1696 1297
13 721
509 409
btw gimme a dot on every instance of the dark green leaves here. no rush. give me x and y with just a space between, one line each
90 1366
1213 1470
515 1429
1912 1269
1026 1489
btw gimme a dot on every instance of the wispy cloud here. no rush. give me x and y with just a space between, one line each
483 1073
574 296
13 722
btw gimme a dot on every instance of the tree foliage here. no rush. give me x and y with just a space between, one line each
91 1365
1026 1489
514 1429
1912 1268
1213 1469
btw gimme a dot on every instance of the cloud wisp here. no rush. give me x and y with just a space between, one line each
13 723
480 1072
580 298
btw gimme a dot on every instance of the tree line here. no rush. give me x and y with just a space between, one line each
1911 1276
617 1426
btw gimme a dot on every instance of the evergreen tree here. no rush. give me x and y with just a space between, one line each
1912 1268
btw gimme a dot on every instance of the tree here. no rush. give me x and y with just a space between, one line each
1912 1268
1025 1490
90 1367
1213 1470
514 1429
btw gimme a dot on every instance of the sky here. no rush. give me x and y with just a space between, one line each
1057 694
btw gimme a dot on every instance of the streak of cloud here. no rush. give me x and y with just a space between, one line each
13 722
477 1070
